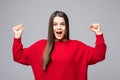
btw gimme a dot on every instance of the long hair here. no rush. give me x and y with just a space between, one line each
51 37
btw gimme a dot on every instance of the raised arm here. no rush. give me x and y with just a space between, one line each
98 52
20 55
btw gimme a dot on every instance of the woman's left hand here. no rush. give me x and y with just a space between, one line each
95 27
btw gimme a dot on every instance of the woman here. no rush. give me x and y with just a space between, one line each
58 57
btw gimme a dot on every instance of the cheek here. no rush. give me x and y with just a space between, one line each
54 29
64 28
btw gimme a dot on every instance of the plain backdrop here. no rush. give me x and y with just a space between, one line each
34 14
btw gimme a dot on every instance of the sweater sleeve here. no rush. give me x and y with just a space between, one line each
20 54
97 53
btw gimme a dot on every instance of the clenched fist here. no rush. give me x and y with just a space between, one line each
95 27
18 30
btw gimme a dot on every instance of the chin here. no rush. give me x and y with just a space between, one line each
60 39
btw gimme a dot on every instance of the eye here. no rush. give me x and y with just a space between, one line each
54 24
63 24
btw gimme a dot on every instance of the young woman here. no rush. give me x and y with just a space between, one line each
58 57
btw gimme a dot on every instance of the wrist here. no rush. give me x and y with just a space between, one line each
99 33
17 36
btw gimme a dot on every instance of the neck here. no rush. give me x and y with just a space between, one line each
61 40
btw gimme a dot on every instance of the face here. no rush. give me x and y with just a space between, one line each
59 28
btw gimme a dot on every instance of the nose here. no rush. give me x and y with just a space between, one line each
59 27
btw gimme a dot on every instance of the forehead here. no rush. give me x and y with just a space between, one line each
58 19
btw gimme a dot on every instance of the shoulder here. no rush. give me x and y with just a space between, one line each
76 41
78 44
41 42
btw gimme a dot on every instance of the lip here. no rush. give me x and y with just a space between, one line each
59 32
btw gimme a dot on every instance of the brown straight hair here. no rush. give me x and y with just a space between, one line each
51 37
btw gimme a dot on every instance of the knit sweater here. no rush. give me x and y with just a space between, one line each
69 59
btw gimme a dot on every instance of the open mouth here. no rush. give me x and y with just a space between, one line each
59 32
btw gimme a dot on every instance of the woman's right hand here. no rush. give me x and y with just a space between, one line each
18 30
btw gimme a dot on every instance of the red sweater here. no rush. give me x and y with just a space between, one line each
70 59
